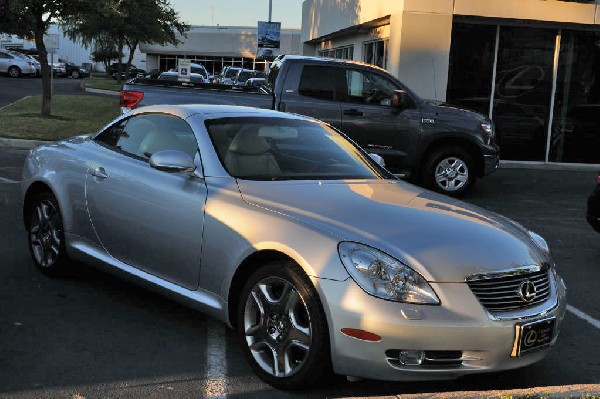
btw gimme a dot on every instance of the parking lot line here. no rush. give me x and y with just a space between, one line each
4 180
584 316
216 361
13 103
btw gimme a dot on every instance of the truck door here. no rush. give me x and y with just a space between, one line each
369 118
311 90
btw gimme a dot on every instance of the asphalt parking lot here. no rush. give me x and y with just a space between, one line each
12 90
91 335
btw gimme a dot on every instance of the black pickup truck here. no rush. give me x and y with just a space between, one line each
438 146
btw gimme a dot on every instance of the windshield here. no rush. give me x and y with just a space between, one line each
260 148
199 70
231 72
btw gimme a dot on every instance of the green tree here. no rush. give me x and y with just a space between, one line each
105 51
30 19
128 23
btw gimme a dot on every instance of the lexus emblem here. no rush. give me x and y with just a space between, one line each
527 291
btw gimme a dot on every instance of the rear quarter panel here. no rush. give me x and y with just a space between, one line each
62 167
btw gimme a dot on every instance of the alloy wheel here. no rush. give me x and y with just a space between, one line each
45 233
451 174
277 327
14 72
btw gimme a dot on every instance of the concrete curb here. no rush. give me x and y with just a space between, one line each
549 166
101 91
578 391
21 144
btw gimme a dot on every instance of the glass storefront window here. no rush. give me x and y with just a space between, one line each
471 66
523 90
575 134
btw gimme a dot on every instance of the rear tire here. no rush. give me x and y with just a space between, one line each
449 170
14 71
46 236
282 328
75 74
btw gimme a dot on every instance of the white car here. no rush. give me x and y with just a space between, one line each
16 64
198 74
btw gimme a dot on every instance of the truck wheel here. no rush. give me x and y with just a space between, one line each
14 71
449 170
75 74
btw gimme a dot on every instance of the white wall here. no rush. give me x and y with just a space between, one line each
224 41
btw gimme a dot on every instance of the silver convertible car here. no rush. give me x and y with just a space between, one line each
284 229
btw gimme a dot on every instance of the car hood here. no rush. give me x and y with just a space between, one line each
451 111
444 239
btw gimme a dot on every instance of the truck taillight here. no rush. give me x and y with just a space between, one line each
129 99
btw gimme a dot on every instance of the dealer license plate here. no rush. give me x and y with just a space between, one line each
532 336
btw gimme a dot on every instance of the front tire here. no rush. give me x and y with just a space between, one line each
75 74
449 170
282 327
46 235
14 71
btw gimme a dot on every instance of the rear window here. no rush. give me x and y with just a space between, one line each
317 82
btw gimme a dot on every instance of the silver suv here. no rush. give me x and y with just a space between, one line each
15 64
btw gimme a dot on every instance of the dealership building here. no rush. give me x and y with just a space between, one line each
216 47
531 65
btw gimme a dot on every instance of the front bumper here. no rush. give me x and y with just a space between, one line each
490 163
459 324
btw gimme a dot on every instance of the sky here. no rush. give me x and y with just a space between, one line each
239 12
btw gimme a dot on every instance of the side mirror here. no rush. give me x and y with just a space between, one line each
378 159
402 100
172 161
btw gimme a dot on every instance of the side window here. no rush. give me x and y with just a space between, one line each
6 56
110 136
368 88
317 82
143 135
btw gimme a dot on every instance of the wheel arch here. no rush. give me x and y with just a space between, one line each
250 264
467 144
35 189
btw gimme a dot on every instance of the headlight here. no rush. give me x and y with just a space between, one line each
488 129
385 277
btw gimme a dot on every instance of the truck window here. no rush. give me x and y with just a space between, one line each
368 88
317 82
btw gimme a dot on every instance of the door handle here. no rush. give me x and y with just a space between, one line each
353 112
99 172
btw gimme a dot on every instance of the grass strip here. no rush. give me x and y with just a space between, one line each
102 82
71 116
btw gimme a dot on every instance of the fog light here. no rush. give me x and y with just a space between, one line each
411 358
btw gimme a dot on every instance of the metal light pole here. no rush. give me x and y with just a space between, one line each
270 9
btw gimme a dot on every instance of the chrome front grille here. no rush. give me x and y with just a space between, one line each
516 290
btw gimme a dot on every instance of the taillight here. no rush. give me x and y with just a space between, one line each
129 99
598 177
